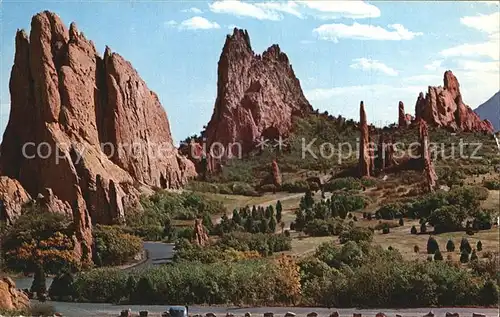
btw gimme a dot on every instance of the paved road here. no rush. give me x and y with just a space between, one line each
107 310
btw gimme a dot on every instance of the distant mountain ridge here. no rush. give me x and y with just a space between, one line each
490 110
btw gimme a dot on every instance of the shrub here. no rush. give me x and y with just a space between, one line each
473 256
438 256
489 293
356 234
296 187
413 230
265 244
113 247
61 287
401 222
464 256
465 246
320 227
479 245
385 230
432 245
42 310
416 249
447 219
492 184
390 211
450 246
348 183
423 228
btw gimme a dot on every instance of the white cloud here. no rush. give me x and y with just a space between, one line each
434 65
368 64
244 9
487 24
275 10
425 79
198 23
335 31
476 66
348 9
193 10
171 23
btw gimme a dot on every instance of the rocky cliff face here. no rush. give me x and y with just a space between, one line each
444 107
83 130
257 96
11 298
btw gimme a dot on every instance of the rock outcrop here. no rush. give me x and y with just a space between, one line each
385 153
444 107
200 233
365 148
257 97
12 299
12 198
404 119
276 174
84 130
428 166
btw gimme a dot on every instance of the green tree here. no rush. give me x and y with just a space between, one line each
464 256
438 256
465 246
279 210
447 218
423 228
39 285
413 230
432 245
479 246
249 224
272 224
450 246
489 294
236 217
473 256
264 226
207 222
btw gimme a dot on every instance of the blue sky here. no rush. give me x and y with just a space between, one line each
342 51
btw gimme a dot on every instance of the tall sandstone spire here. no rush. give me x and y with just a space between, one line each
92 114
365 150
428 166
257 96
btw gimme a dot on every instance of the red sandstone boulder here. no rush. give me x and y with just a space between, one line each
257 97
444 107
106 131
200 234
12 198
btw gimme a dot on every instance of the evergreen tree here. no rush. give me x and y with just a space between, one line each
249 224
432 245
270 212
416 249
272 224
464 256
489 294
479 246
423 228
473 256
236 217
450 246
167 227
438 256
465 246
279 210
264 226
300 220
413 230
308 200
254 212
39 285
401 222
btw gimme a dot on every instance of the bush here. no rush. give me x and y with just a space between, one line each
61 287
401 222
390 211
432 245
465 246
296 187
413 230
423 228
348 183
464 256
450 246
479 246
265 244
356 234
385 230
113 247
473 256
416 249
438 256
492 184
447 219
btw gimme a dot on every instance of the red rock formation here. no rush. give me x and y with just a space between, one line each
276 174
101 123
385 153
12 198
200 234
257 96
430 173
444 107
365 148
402 117
12 299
